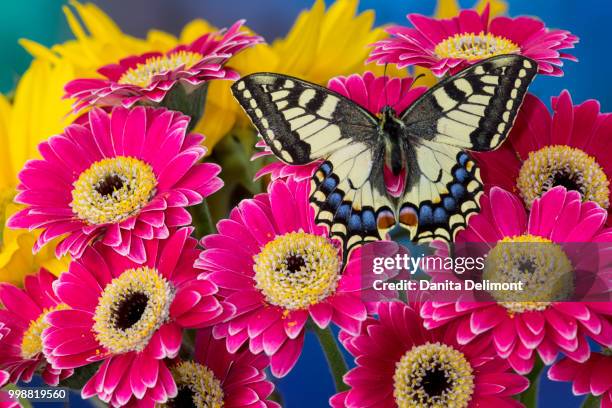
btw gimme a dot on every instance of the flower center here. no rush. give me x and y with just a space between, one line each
142 74
475 46
131 308
542 266
564 166
31 343
433 376
197 387
112 190
297 270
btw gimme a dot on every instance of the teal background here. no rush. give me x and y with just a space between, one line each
309 384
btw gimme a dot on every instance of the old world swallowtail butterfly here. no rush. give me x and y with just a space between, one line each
473 110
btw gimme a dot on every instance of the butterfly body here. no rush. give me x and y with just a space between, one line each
393 133
425 146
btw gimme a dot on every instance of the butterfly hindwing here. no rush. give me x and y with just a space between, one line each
302 122
349 196
440 209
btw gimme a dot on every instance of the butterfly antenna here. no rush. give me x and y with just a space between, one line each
416 79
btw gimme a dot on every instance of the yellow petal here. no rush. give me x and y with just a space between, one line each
7 176
447 9
498 7
219 115
195 29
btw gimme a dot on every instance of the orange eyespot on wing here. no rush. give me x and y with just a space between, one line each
408 217
385 220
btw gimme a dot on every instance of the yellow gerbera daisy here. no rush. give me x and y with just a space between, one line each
36 113
321 44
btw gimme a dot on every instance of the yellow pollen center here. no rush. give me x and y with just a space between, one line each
142 73
131 309
474 46
197 387
112 190
297 270
31 343
564 166
433 375
542 266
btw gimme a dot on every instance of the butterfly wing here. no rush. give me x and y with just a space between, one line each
302 122
473 110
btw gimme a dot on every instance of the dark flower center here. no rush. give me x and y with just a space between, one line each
129 311
527 265
183 399
109 184
571 181
295 263
435 382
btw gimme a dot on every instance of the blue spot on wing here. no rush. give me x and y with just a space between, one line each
354 224
458 191
461 175
328 185
334 201
440 215
425 215
326 168
449 203
343 213
369 221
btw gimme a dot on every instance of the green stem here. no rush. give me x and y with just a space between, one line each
530 396
591 402
202 220
333 355
188 345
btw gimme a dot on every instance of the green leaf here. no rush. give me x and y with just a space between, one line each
80 377
591 402
233 153
191 102
529 397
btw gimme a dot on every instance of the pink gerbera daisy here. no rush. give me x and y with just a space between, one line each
123 177
23 318
594 376
373 94
278 269
450 45
130 316
401 364
543 321
5 399
217 378
569 148
149 77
